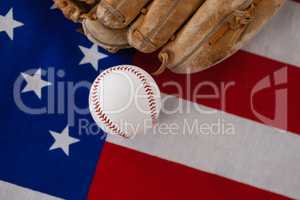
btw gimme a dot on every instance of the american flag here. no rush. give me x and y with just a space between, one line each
50 148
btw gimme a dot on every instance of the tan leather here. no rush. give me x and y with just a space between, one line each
118 14
196 47
153 29
192 34
111 40
76 10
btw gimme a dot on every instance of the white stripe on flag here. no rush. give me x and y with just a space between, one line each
256 154
280 39
13 192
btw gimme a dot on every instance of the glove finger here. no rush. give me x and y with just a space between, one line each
75 9
216 31
110 39
118 14
153 29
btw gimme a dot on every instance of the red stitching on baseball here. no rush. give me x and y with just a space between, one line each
97 106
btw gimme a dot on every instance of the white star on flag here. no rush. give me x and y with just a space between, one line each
35 83
53 7
62 140
91 56
8 24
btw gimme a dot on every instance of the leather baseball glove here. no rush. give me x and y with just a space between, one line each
192 35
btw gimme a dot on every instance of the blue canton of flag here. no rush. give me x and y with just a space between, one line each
48 141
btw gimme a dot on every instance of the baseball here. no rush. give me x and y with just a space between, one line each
125 100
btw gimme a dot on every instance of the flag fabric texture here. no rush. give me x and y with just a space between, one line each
229 132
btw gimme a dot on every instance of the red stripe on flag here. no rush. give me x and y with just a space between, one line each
124 174
245 71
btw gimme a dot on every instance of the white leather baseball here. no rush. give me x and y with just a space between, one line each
125 100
